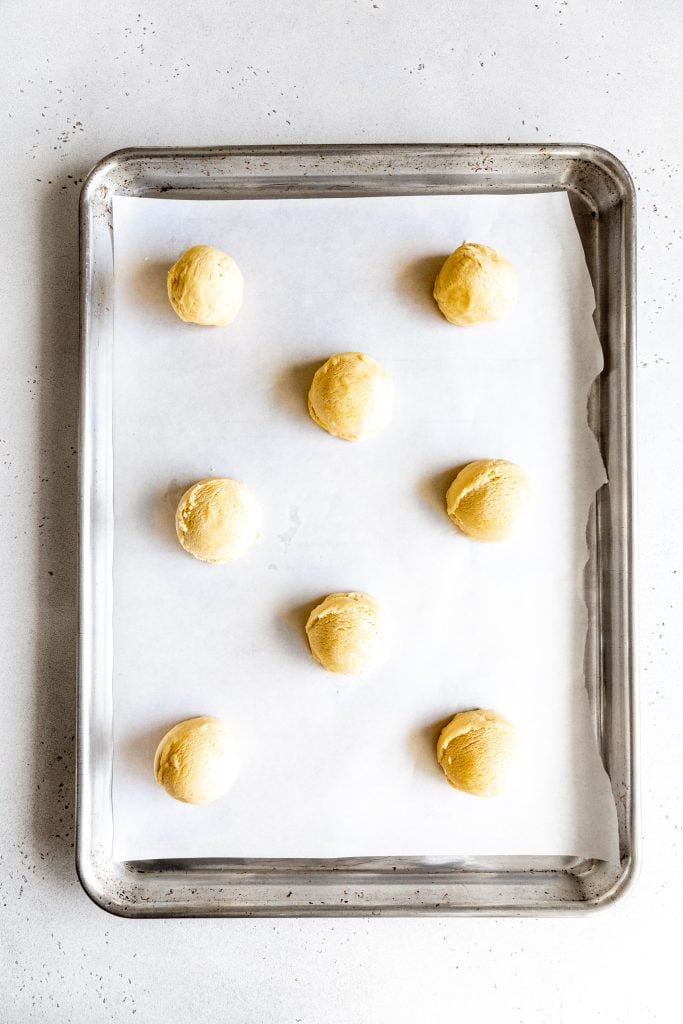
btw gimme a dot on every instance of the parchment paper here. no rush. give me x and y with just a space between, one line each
335 766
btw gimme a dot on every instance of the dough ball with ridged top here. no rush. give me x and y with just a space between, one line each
348 633
486 498
205 286
351 396
218 520
196 761
475 285
475 750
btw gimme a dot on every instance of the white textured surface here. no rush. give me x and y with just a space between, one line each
78 81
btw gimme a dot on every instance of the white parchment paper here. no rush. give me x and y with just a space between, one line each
335 766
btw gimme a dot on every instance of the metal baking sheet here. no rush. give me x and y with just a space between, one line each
373 884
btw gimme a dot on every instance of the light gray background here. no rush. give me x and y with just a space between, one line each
80 80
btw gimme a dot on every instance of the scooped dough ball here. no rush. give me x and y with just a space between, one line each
196 761
475 750
351 396
486 497
218 520
475 285
205 287
348 633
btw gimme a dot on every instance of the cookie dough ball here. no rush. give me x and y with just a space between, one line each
218 520
475 285
475 750
486 498
348 633
205 287
196 762
351 396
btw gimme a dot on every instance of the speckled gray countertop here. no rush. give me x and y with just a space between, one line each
80 80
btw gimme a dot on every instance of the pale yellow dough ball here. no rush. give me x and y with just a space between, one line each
218 520
475 750
486 498
348 633
475 285
205 287
196 761
351 396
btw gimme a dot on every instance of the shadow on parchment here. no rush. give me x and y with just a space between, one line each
293 619
292 383
161 508
147 287
432 489
137 751
422 746
415 282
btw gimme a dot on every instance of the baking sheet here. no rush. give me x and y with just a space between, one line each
333 766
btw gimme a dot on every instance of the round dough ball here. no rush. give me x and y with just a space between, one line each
486 497
218 520
475 285
351 396
205 287
348 633
475 750
196 761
